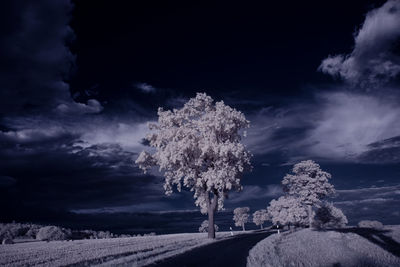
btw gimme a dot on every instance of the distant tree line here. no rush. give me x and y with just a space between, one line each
11 231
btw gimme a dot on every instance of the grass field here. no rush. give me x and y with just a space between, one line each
347 247
137 251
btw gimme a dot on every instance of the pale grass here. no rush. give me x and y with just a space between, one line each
321 248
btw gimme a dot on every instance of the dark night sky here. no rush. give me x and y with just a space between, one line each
80 80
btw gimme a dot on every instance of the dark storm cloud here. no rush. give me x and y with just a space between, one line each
57 153
35 61
62 175
372 61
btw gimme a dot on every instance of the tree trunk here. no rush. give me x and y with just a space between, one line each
243 227
211 206
310 219
261 226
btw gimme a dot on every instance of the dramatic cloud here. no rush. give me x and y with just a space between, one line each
58 174
336 126
35 61
55 152
372 61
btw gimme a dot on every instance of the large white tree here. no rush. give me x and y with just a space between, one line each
241 216
308 183
260 217
199 147
288 210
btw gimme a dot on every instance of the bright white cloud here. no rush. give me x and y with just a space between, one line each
86 130
371 62
128 135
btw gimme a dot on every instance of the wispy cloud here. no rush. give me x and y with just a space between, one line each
371 62
346 123
92 106
338 126
255 192
379 203
145 87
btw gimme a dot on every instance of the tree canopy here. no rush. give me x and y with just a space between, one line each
199 147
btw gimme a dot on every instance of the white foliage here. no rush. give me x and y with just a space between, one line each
204 227
199 147
51 233
241 216
260 217
328 216
288 210
308 183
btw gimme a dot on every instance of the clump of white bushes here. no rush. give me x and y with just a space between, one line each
370 224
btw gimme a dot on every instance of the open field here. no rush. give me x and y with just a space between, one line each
134 250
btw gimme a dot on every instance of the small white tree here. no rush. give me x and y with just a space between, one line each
241 216
204 227
199 147
288 210
328 216
308 183
260 217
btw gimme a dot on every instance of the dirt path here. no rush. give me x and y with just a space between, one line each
229 252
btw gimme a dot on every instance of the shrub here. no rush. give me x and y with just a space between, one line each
328 216
13 230
288 210
103 234
7 241
370 224
33 230
49 233
204 227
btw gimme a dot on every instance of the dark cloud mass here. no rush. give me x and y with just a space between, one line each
80 80
36 61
